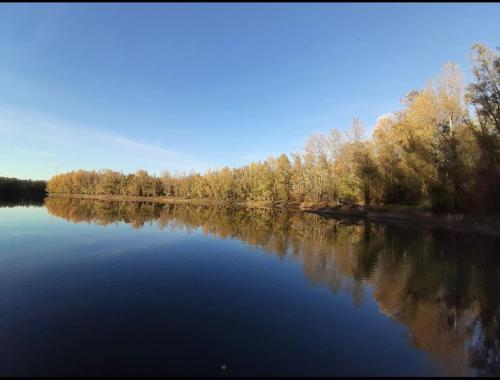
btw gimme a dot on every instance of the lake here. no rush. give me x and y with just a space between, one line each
115 288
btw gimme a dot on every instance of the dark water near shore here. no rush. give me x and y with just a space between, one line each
109 288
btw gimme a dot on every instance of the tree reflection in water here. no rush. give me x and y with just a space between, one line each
443 286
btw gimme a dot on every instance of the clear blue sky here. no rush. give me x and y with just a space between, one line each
194 86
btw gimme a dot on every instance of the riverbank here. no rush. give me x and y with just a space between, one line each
409 215
412 216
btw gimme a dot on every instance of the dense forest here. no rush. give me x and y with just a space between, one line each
441 150
19 191
428 280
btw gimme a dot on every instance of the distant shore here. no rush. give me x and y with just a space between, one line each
394 215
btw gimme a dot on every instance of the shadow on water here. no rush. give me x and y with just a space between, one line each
443 286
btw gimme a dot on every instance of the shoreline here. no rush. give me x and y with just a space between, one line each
411 217
391 215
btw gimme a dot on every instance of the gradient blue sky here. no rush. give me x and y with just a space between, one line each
198 86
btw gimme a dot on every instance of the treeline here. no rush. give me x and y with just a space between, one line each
20 190
442 150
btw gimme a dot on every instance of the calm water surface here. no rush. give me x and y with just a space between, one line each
108 288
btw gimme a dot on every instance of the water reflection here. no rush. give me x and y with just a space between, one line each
443 286
24 202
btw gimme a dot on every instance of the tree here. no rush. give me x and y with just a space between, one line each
283 178
484 96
